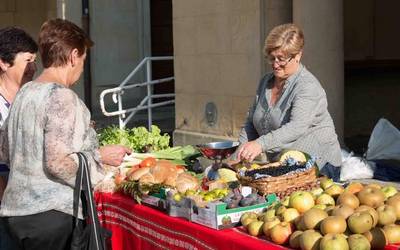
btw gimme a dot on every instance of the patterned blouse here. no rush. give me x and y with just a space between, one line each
47 125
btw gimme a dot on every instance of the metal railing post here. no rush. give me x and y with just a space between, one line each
121 116
149 94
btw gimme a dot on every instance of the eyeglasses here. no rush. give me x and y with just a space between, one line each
280 61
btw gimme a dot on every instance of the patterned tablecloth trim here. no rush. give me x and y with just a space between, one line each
186 245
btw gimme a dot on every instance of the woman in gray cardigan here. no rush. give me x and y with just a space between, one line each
290 110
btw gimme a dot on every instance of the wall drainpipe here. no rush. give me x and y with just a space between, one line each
87 79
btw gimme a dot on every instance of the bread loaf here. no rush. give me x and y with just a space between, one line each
185 182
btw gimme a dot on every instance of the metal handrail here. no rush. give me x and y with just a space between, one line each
147 102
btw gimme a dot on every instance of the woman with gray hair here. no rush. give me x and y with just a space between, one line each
290 110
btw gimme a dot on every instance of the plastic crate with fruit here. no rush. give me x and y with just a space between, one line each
294 171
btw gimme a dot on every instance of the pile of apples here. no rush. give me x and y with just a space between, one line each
331 217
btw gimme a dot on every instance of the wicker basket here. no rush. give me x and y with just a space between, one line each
283 185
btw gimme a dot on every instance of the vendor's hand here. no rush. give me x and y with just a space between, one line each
249 150
113 155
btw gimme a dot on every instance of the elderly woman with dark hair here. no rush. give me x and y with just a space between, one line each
17 66
47 125
290 110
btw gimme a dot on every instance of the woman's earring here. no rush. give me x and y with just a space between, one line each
297 61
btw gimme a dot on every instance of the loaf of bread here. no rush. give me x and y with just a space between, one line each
186 181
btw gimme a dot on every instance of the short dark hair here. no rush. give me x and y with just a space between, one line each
14 40
57 38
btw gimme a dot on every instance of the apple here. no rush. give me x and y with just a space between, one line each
348 199
387 215
301 200
270 213
392 233
360 222
325 183
316 192
255 228
248 217
334 190
333 224
280 233
270 223
389 191
294 240
309 240
395 202
342 210
370 210
313 218
289 215
377 238
325 199
334 242
371 196
358 242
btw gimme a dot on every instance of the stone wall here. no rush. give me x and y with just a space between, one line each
217 48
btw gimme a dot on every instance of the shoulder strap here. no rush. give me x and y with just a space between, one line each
91 206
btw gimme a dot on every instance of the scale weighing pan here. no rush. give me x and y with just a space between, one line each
218 150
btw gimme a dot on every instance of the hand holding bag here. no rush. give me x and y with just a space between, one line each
87 234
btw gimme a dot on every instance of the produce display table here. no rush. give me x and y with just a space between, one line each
136 226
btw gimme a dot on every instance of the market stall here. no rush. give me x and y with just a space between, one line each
157 200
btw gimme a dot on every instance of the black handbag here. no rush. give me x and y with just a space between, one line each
87 234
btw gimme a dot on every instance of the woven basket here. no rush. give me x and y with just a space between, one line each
283 185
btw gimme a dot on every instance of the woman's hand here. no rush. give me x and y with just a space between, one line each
249 150
113 154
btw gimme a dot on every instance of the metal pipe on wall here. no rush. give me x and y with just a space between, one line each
87 75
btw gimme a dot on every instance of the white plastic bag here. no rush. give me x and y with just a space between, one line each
354 167
384 142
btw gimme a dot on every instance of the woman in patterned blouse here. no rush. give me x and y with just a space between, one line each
47 125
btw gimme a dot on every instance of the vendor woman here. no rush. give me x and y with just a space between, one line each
290 110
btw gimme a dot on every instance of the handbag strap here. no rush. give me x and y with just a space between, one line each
88 204
78 190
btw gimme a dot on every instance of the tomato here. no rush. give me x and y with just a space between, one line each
148 162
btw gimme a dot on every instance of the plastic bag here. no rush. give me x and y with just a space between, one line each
354 167
384 142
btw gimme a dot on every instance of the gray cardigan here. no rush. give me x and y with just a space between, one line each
299 120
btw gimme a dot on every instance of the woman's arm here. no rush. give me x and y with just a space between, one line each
58 135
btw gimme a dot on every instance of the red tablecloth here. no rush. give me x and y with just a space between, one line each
137 226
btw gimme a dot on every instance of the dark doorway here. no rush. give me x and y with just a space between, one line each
162 43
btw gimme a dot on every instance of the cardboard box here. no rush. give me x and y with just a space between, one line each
217 216
156 200
179 209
